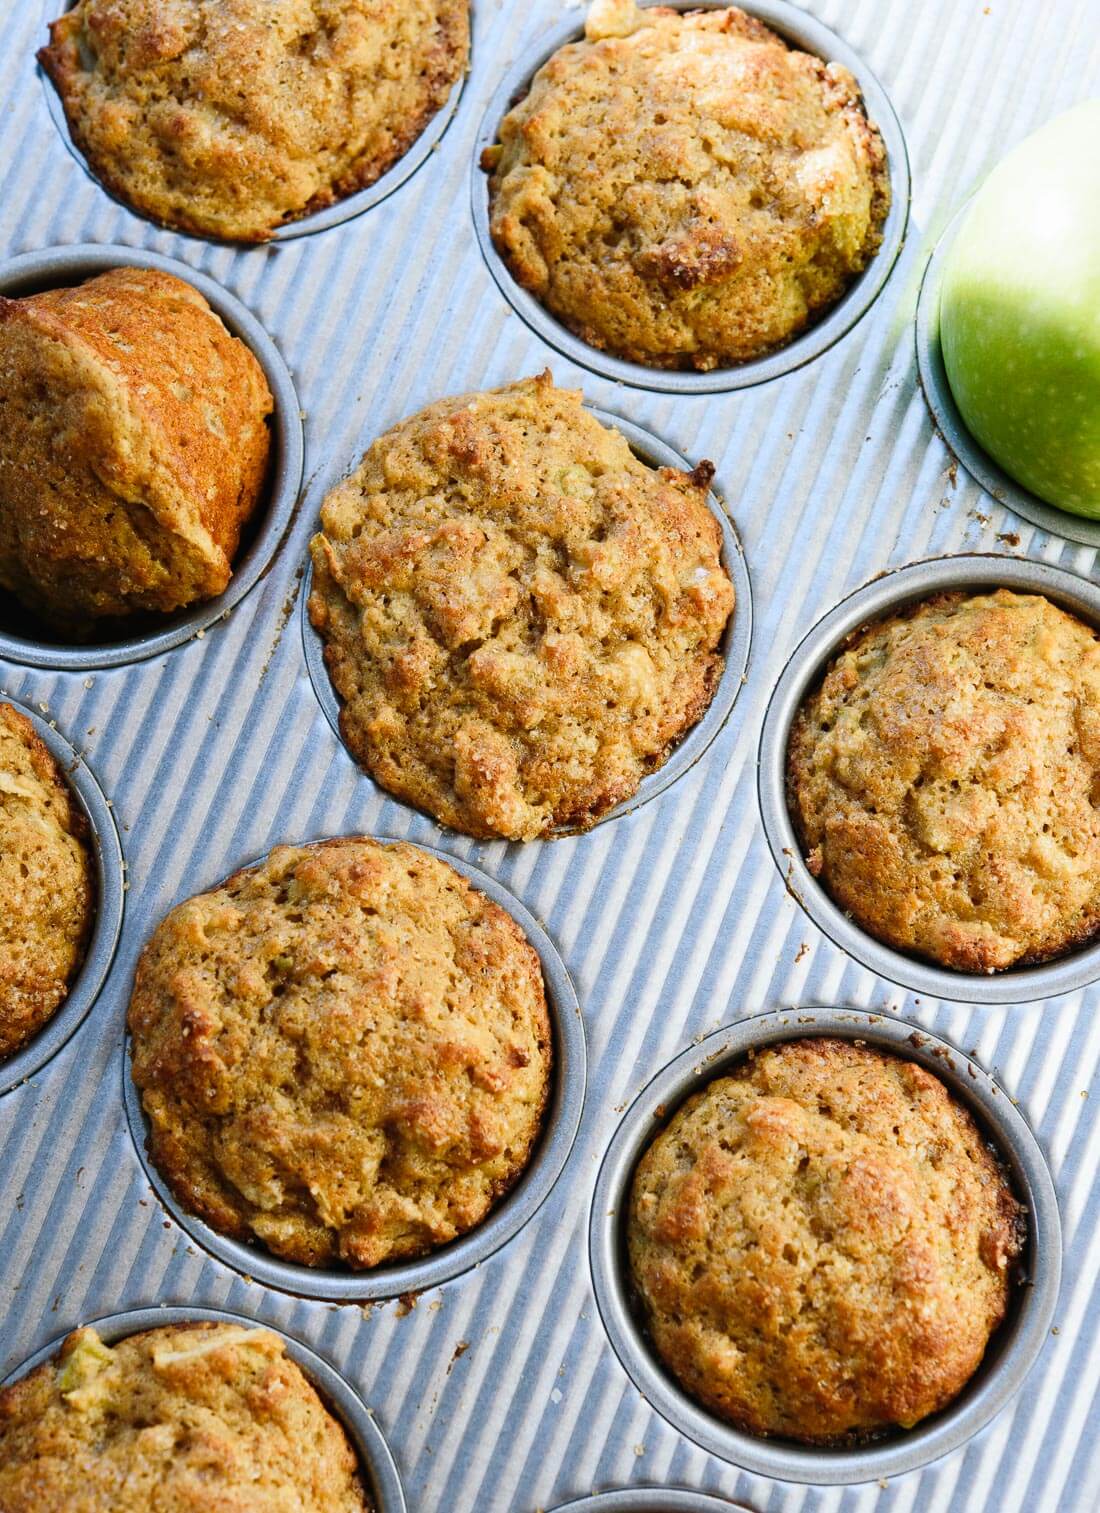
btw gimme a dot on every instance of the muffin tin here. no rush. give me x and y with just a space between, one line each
32 272
500 1391
508 1216
110 893
379 1471
735 646
1012 1351
802 31
882 596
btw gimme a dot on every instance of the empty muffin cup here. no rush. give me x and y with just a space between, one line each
883 596
801 31
649 1500
344 209
1014 1346
377 1465
951 426
23 639
560 1122
109 883
735 645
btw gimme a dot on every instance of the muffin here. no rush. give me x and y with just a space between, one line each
133 448
46 883
683 189
173 1420
231 118
521 617
822 1243
944 780
343 1053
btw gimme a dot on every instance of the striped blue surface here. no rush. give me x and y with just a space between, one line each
671 921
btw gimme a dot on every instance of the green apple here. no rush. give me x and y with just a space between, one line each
1020 313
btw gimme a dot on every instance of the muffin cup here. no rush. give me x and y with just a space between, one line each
503 1222
110 868
649 1500
58 267
376 1461
321 220
945 412
1011 1352
735 645
807 34
884 596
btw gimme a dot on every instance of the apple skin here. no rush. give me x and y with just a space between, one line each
1020 313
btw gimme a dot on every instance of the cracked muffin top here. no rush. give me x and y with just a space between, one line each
683 189
172 1420
521 616
343 1053
231 118
133 448
46 883
822 1243
945 780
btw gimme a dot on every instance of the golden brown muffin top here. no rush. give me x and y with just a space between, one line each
343 1052
229 118
177 1419
521 616
684 189
944 780
47 893
822 1242
134 447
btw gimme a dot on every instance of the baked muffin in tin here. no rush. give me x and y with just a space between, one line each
944 780
231 118
343 1053
46 883
822 1243
684 190
521 617
133 449
171 1420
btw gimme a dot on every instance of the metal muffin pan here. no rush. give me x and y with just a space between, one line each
881 597
802 31
649 1500
376 1462
110 893
213 754
33 272
1012 1351
519 1205
945 412
345 209
735 647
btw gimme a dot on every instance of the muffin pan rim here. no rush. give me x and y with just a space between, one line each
57 267
506 1218
342 1400
993 1384
650 1500
882 595
736 648
936 388
105 846
809 34
349 208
